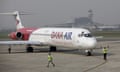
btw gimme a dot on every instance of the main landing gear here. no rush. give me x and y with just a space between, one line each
29 48
52 49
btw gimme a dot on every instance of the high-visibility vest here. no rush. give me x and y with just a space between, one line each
49 58
104 50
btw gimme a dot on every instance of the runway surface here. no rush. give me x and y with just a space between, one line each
66 60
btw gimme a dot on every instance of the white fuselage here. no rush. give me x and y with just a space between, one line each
64 37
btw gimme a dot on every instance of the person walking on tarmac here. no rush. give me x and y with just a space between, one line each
105 53
50 60
9 49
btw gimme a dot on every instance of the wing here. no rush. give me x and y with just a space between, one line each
21 42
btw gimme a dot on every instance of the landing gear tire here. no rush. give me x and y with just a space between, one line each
29 49
88 53
52 49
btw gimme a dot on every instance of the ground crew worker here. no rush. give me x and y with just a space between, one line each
50 60
9 49
105 53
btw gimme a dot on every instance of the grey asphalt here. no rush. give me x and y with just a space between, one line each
66 60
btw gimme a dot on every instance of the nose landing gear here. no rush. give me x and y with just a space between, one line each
89 52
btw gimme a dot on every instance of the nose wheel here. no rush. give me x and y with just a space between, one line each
88 52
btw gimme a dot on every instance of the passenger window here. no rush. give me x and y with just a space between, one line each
80 35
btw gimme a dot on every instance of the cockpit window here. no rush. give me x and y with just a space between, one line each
88 35
85 35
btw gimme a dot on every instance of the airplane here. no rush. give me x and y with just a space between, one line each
53 37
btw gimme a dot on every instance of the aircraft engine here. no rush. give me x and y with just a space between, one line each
19 35
16 35
12 35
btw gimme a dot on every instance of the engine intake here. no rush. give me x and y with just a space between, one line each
19 35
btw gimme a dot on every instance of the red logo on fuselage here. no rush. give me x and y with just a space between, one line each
61 35
57 35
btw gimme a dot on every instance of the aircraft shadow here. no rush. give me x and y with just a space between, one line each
59 50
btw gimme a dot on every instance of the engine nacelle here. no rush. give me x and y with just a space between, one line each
12 35
19 36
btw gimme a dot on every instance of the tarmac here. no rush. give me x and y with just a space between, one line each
65 59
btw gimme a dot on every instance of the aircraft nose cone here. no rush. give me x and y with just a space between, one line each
89 43
92 43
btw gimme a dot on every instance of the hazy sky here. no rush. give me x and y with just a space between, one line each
47 12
